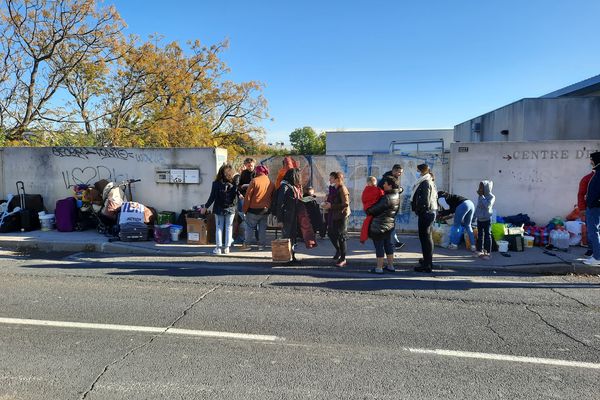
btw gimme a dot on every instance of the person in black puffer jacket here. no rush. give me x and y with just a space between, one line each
384 218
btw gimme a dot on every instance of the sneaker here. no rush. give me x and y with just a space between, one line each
486 257
217 251
589 253
389 269
377 271
452 246
473 249
260 248
226 250
399 245
422 268
341 264
478 253
245 247
592 261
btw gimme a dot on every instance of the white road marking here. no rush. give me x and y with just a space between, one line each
146 329
271 338
503 357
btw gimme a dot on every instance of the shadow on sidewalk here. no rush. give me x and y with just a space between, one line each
342 280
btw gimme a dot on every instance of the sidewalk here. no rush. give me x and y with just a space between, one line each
360 257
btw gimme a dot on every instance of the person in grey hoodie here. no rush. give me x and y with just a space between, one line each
483 214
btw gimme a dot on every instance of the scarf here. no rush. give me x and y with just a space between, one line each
422 179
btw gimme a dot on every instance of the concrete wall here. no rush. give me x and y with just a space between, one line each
537 178
378 142
50 171
316 169
565 118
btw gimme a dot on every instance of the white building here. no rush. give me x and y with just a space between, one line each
366 143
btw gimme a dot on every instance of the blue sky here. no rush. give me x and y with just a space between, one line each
386 64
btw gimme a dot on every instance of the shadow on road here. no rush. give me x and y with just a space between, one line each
343 280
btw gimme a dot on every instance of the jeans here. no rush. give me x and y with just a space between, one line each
383 247
425 223
252 222
224 222
464 216
592 219
484 236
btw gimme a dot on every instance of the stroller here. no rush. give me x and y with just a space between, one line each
101 205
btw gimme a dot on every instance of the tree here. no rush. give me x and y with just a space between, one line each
307 141
68 75
42 42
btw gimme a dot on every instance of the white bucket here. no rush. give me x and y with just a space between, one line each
175 234
502 246
47 222
529 241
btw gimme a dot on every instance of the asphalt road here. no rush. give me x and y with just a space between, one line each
155 328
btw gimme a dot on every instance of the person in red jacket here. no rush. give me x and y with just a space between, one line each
583 187
370 196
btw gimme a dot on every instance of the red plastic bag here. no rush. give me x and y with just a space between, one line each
573 215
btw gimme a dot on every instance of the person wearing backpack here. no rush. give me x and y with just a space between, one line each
223 197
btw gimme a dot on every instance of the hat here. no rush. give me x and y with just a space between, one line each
262 170
595 157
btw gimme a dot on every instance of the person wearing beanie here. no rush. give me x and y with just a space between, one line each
592 212
257 203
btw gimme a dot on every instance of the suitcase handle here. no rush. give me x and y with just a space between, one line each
21 193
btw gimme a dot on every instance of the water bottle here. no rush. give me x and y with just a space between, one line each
563 239
554 237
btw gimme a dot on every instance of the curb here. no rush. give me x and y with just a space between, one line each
558 268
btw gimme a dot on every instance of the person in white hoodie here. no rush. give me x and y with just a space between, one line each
424 203
483 214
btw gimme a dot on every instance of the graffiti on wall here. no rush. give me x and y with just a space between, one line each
90 175
105 153
87 152
315 172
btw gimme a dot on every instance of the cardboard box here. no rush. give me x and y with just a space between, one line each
197 232
281 250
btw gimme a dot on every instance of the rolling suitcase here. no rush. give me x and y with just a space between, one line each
30 219
66 214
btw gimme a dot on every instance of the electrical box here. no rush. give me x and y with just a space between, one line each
163 176
178 176
191 176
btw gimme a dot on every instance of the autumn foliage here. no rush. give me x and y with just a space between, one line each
68 76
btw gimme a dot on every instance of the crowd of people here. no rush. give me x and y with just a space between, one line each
255 197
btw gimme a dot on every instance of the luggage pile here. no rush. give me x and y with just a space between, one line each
21 212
